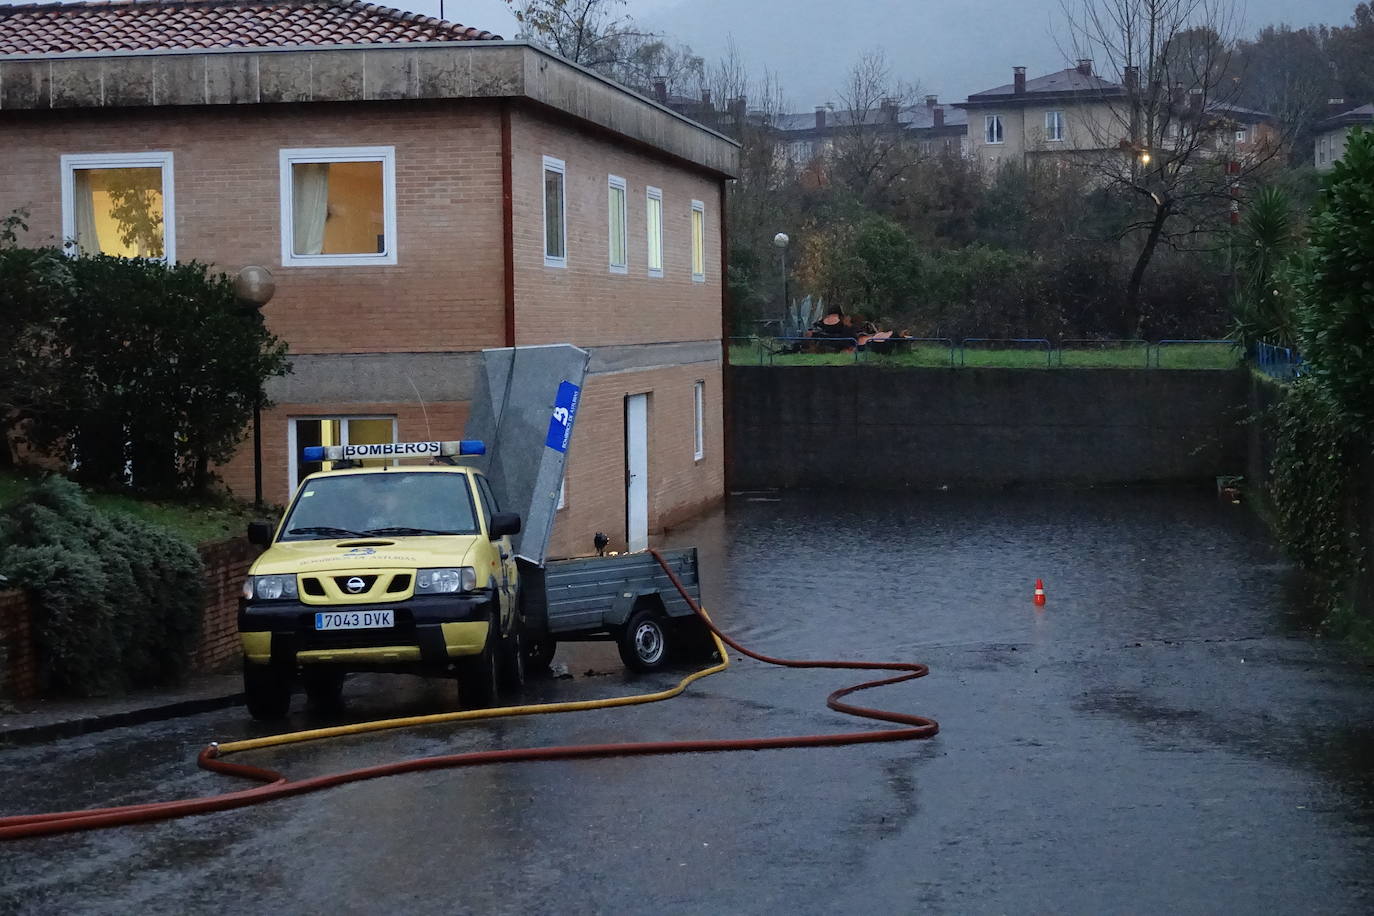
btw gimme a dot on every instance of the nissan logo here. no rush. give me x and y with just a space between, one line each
356 585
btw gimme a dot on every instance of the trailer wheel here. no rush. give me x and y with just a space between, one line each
266 691
539 654
512 659
478 675
644 643
323 688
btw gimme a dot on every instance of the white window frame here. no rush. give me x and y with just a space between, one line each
1240 134
386 155
699 426
554 165
71 163
988 122
615 182
697 207
1054 126
293 452
652 194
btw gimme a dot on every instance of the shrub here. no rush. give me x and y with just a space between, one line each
117 602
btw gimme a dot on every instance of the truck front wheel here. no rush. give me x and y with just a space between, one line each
266 691
644 643
478 675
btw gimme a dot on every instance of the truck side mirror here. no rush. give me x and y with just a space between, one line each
502 524
260 533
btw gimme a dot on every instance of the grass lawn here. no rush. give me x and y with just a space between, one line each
1107 355
196 522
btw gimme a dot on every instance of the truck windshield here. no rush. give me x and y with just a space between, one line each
353 505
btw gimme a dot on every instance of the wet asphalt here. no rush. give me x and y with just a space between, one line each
1166 735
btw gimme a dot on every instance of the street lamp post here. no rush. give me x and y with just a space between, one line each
254 287
781 240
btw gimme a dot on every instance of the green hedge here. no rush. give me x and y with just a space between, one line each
117 602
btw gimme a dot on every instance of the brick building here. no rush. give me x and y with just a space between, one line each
420 191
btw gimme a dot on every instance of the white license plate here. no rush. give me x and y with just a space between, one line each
354 620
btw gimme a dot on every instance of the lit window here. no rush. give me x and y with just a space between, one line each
618 220
555 214
699 442
1054 125
655 230
338 206
119 205
306 432
992 128
698 240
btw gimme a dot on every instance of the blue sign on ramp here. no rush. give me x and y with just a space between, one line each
564 410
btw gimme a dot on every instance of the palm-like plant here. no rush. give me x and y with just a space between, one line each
1266 239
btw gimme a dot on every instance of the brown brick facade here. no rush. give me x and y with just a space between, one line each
447 291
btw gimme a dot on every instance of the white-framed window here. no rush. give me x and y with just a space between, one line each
338 206
1240 135
654 222
992 128
303 432
618 217
698 241
555 213
1054 126
120 204
699 424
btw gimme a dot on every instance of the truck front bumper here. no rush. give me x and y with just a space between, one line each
428 631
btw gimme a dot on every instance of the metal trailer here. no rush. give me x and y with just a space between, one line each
626 598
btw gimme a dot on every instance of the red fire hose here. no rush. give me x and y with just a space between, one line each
274 785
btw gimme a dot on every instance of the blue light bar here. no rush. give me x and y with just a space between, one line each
395 450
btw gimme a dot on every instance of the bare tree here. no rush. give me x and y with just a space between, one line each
598 34
1166 133
871 149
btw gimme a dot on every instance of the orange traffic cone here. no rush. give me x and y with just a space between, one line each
1039 592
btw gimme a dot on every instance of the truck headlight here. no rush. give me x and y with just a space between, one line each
271 588
445 581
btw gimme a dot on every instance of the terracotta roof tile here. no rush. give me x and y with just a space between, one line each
160 25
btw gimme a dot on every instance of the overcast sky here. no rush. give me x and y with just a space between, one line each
947 48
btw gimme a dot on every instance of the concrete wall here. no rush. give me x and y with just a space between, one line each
819 427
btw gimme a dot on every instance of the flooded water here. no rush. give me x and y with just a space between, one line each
882 572
1165 735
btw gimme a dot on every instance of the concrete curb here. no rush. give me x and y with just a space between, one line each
85 725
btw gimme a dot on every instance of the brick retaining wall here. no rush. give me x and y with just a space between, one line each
226 563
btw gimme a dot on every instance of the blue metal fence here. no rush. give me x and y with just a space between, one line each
1277 362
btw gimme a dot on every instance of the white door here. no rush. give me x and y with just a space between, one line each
637 471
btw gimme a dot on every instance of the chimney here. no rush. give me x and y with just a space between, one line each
1018 80
706 98
820 117
931 101
1195 101
939 113
1085 66
890 110
660 90
1130 78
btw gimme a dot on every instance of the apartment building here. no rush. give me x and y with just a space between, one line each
420 191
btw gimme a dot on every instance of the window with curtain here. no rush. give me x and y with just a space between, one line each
992 128
118 205
555 213
654 222
1054 125
619 224
338 206
698 240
